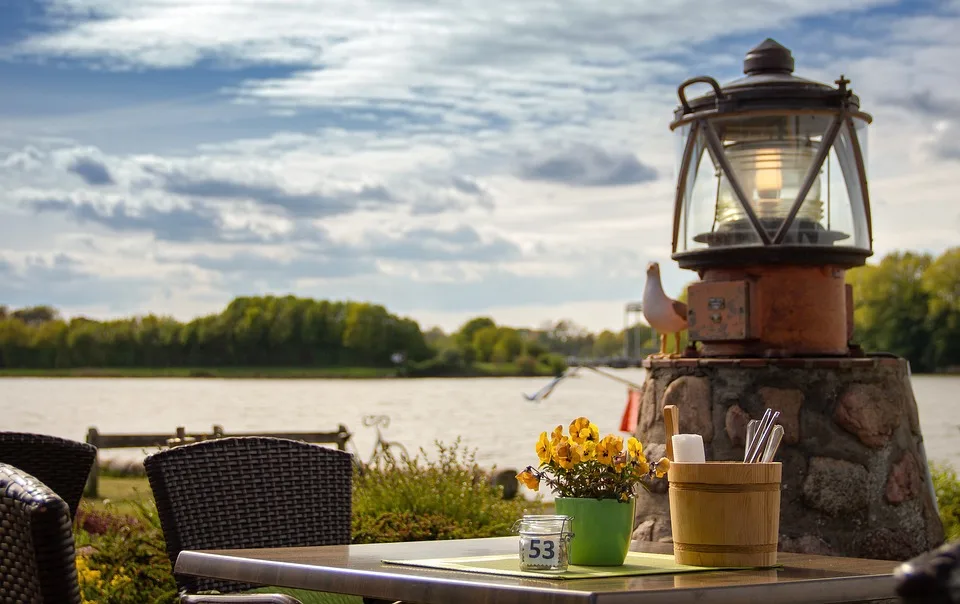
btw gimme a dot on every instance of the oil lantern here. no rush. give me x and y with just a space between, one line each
771 208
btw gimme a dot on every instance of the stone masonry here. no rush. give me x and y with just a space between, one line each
855 477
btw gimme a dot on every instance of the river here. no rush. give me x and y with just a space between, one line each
489 414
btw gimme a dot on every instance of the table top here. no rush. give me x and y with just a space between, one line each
357 569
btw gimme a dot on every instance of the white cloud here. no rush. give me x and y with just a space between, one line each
506 119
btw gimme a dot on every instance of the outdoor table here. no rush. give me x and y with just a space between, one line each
357 569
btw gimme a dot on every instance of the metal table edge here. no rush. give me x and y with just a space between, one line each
192 563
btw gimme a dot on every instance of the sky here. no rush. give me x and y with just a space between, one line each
445 159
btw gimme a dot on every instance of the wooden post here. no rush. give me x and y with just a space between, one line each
343 435
93 480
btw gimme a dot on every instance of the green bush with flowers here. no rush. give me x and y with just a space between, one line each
121 557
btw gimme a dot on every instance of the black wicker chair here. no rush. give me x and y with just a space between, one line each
37 554
248 492
932 577
63 465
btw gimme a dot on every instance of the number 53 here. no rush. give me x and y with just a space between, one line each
542 548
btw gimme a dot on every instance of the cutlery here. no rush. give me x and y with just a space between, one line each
756 443
775 437
752 426
765 429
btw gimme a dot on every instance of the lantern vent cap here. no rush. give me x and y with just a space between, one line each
768 84
768 56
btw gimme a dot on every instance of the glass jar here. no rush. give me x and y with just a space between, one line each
544 541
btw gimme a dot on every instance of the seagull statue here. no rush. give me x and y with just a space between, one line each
665 315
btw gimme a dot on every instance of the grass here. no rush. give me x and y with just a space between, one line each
478 370
123 495
510 370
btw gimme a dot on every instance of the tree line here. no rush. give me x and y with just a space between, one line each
908 304
270 331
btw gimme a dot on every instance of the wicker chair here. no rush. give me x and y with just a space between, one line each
37 553
248 492
63 465
932 577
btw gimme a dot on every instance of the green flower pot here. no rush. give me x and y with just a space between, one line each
601 529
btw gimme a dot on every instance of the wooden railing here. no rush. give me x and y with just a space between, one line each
182 437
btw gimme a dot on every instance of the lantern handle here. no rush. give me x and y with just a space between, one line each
681 90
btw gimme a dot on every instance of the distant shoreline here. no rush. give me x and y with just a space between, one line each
478 370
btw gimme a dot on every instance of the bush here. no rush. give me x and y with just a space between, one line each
948 498
121 558
414 498
526 365
448 362
554 361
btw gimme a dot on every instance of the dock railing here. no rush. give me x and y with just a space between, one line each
182 437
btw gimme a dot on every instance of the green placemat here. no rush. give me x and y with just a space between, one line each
509 564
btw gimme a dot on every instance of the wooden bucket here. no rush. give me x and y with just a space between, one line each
725 513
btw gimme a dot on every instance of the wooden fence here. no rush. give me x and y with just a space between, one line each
182 437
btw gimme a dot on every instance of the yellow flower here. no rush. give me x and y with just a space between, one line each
544 448
557 436
529 480
662 467
567 454
579 453
609 448
643 467
619 462
594 434
635 448
589 450
582 430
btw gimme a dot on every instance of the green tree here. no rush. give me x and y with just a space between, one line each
14 343
36 314
464 336
508 346
484 340
941 283
608 344
891 305
365 334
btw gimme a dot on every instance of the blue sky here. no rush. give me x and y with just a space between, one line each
446 159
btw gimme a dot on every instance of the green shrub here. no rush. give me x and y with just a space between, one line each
557 363
526 365
408 498
121 558
947 486
448 362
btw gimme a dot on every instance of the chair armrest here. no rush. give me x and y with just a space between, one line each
239 599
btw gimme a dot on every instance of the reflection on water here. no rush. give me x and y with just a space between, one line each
490 414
